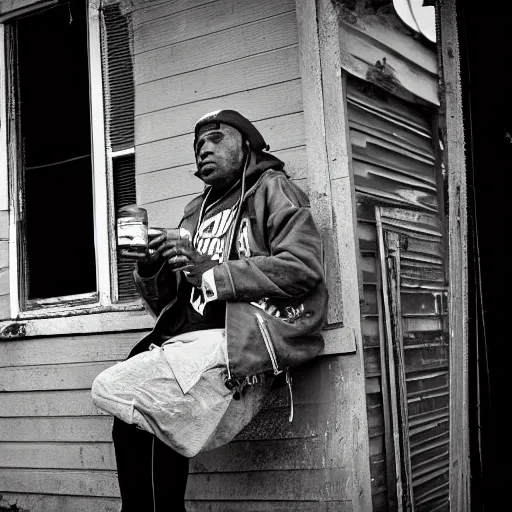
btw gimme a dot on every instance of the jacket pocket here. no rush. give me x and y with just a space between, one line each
268 343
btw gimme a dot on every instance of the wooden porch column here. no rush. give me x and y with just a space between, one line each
458 263
332 196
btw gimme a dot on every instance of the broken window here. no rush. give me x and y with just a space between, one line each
72 167
54 145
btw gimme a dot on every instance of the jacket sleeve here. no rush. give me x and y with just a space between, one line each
157 286
294 266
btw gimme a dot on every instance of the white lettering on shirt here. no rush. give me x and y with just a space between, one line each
210 239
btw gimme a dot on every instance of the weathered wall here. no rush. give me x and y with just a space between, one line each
240 55
394 163
378 47
55 446
226 53
191 57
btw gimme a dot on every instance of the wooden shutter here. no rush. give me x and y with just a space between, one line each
120 112
412 266
121 87
402 244
123 168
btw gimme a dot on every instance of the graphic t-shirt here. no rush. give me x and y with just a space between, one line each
210 238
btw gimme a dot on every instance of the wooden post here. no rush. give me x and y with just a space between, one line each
318 177
390 361
457 246
333 200
388 389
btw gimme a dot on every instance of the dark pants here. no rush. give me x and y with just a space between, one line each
152 476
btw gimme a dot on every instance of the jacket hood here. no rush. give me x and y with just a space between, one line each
259 163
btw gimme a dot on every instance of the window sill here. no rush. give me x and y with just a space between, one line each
97 319
131 317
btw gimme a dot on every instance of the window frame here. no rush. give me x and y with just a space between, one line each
106 314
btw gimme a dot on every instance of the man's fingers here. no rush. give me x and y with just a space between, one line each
178 261
132 255
168 253
172 250
157 241
168 246
190 252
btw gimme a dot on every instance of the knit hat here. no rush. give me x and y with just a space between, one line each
234 119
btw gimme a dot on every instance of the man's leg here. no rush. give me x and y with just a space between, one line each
135 456
170 478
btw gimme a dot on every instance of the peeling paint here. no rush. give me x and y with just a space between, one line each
5 506
352 9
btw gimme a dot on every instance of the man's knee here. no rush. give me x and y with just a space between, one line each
98 389
102 388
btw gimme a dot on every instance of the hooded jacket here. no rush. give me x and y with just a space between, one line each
271 276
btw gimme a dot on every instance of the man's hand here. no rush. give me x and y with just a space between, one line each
168 239
193 263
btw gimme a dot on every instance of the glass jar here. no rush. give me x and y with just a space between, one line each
132 228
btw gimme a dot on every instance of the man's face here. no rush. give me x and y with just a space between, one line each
219 155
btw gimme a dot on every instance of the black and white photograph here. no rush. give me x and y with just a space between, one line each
253 256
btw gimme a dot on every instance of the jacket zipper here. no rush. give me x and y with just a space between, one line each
268 343
273 359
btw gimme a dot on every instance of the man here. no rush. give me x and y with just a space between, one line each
243 302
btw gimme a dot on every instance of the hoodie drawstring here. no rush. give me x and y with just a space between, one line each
289 384
227 251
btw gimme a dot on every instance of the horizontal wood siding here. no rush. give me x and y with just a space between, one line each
45 503
34 502
195 57
191 57
55 445
244 56
376 46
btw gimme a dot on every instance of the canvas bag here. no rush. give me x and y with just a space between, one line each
143 390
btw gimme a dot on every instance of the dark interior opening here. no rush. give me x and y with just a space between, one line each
486 49
53 86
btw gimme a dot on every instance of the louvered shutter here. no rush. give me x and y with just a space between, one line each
124 193
404 319
120 111
121 87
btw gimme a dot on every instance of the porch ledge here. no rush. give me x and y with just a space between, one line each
338 339
84 323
